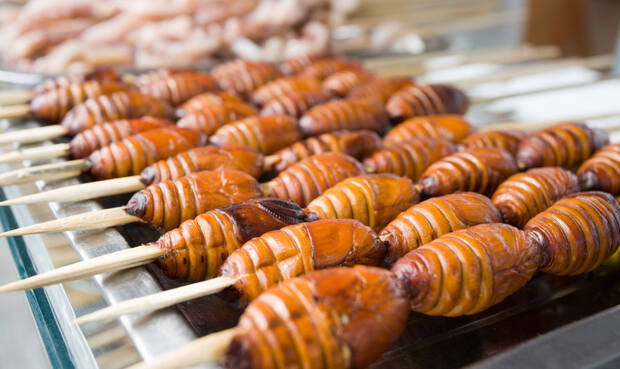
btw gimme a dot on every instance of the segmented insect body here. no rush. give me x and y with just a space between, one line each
508 139
116 106
284 86
422 223
469 270
198 247
451 127
476 170
358 144
524 195
132 154
294 250
90 140
52 105
373 199
409 158
101 75
204 158
326 315
379 89
295 65
265 134
169 203
242 77
344 115
321 69
216 115
306 180
205 100
419 100
175 88
602 170
294 104
564 145
577 233
341 83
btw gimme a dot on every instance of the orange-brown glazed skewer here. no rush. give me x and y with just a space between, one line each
344 115
341 83
294 104
296 65
242 77
451 127
379 89
215 115
602 170
175 88
420 100
205 100
321 69
507 140
284 86
100 75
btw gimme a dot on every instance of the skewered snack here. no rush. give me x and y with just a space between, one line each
205 100
321 69
294 104
577 233
175 88
100 75
451 127
564 145
409 158
373 199
524 195
419 100
265 134
341 83
422 223
213 116
358 144
242 77
379 89
296 65
507 139
284 86
602 170
476 170
307 179
344 115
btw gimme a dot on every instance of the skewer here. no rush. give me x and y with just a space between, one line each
36 153
13 97
14 111
33 134
65 169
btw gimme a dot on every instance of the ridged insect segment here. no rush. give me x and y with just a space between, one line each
524 195
116 106
100 75
295 65
469 270
242 77
358 144
451 127
602 170
265 134
419 100
341 83
335 318
344 115
132 154
309 178
215 115
373 199
205 100
294 104
198 247
379 89
168 203
577 233
508 139
175 88
564 145
204 158
294 250
409 158
476 170
90 140
324 68
422 223
284 86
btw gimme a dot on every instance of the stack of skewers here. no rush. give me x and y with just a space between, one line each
377 197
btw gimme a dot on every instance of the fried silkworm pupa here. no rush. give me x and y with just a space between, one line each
132 154
264 134
242 77
294 104
341 115
198 247
358 144
168 203
297 249
90 140
216 115
506 139
296 65
409 158
309 178
205 100
469 270
204 158
175 88
564 145
373 199
524 195
116 106
334 318
379 89
284 86
420 100
341 83
451 127
476 170
422 223
324 68
602 170
101 75
577 233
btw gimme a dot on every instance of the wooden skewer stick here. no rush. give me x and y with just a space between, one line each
14 111
115 261
82 191
161 300
97 219
32 135
12 97
46 171
36 153
208 349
